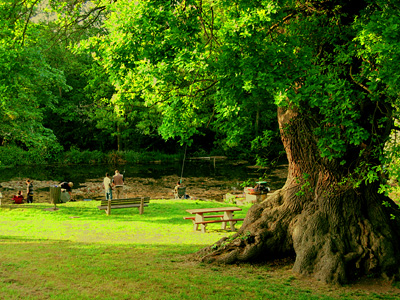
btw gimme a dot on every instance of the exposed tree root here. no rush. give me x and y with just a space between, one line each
336 239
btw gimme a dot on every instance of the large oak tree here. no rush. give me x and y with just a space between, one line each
327 69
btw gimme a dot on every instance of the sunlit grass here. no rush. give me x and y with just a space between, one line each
162 223
78 252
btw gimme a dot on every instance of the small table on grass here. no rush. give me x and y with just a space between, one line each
224 215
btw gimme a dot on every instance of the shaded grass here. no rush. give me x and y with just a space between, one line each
78 252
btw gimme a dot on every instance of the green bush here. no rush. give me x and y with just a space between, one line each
132 156
53 152
145 157
76 156
15 156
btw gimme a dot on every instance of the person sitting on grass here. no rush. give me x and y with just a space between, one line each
19 198
176 191
178 185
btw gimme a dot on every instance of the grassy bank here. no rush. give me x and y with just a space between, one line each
78 252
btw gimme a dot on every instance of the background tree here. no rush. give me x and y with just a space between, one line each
171 63
72 118
330 66
42 81
27 79
336 113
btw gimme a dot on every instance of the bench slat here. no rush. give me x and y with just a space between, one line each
207 216
218 221
124 203
125 200
122 206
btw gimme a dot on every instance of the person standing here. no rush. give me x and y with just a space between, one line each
107 187
29 191
118 182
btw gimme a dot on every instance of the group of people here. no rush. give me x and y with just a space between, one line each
116 182
19 197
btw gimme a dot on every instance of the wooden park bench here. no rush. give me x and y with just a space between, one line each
139 202
206 216
221 220
201 216
232 223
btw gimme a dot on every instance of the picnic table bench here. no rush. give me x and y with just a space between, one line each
224 218
139 202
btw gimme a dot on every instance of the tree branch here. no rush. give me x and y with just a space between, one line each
358 83
27 21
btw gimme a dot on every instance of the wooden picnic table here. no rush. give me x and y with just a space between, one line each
225 215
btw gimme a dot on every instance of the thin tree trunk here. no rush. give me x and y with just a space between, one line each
119 138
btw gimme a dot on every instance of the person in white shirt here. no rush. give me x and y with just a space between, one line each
107 187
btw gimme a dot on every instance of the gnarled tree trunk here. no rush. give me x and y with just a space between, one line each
337 232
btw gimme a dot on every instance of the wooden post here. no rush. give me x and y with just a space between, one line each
108 207
55 193
141 205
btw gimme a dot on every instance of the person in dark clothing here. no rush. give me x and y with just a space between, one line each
67 187
29 191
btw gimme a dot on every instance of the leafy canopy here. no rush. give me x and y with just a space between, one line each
228 64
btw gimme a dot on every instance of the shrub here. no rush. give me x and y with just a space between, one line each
76 156
15 156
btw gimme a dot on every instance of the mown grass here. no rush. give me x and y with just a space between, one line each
77 252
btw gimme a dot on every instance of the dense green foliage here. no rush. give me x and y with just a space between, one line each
27 79
227 65
180 62
54 98
104 76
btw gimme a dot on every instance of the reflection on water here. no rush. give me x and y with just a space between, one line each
80 173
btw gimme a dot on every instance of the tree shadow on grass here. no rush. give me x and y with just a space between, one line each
25 239
170 248
24 206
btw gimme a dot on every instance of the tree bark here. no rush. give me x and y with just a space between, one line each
337 232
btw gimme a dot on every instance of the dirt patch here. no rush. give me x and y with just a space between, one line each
197 188
206 187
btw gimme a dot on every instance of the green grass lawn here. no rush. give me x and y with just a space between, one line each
78 252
